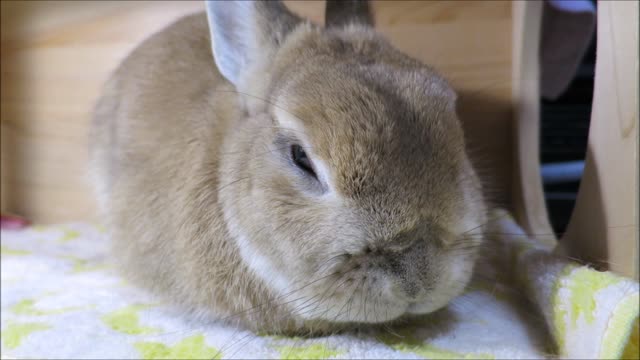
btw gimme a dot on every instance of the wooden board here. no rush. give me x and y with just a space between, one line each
527 192
604 225
56 55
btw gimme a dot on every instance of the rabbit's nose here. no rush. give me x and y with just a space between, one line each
411 270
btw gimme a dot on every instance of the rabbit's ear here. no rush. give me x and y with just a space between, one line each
343 12
245 32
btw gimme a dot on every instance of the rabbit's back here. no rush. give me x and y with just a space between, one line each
154 100
156 135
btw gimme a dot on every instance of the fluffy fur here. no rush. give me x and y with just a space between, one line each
204 204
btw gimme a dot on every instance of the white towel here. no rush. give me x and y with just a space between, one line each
62 299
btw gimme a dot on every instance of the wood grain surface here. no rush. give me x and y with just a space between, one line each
55 55
604 225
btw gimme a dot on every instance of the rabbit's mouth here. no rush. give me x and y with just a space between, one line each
369 293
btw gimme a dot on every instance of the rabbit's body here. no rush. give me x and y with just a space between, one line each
211 198
155 171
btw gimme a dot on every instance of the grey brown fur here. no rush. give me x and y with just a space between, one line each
205 206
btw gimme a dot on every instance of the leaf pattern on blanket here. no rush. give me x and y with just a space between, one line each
193 347
313 351
27 307
15 333
127 321
5 251
68 235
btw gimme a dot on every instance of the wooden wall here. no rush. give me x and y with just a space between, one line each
55 56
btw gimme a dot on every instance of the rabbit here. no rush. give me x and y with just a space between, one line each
286 177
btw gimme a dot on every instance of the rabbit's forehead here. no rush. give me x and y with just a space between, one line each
369 110
375 136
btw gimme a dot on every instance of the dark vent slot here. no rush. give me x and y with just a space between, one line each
564 137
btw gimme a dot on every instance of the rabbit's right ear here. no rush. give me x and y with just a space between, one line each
246 32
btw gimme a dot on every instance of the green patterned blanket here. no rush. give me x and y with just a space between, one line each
61 298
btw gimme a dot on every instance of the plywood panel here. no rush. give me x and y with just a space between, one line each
55 56
604 226
527 192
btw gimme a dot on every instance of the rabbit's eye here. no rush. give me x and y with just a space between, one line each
300 158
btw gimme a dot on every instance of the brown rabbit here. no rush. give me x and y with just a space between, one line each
299 179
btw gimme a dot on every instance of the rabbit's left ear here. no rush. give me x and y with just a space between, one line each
343 12
245 32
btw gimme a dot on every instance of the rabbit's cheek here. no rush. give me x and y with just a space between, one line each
451 283
262 265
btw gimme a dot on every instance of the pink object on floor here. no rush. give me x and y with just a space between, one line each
12 222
